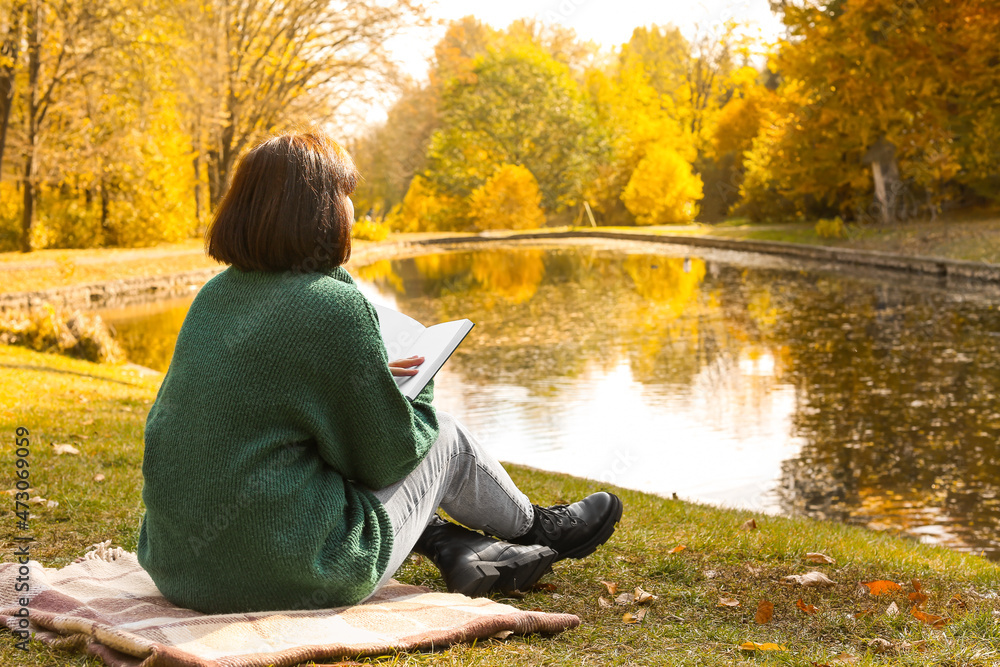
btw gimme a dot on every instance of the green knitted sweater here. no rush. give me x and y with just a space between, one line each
276 416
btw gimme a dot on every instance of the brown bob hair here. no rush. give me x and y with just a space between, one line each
286 208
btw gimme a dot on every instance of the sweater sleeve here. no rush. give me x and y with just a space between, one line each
388 434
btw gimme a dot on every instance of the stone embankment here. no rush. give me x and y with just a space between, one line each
132 290
933 266
112 293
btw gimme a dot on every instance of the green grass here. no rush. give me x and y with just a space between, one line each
43 269
101 410
972 236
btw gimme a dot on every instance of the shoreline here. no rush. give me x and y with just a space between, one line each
125 291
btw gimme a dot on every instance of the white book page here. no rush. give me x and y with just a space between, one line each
436 344
399 331
404 336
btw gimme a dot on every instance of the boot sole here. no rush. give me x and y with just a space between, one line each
476 581
607 530
520 572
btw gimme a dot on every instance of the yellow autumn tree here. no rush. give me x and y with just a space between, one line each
509 199
859 73
740 120
663 188
424 209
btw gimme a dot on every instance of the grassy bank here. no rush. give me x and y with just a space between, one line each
101 409
43 269
972 237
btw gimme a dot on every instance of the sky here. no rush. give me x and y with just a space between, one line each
606 22
610 22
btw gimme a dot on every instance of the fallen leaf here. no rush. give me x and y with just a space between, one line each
765 610
844 659
917 597
603 602
892 610
728 602
806 609
816 557
677 549
768 646
633 619
957 600
611 587
502 634
919 645
881 587
64 449
879 645
625 598
864 612
749 524
642 597
810 579
930 619
539 586
99 477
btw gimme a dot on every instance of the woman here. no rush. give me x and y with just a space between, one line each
283 468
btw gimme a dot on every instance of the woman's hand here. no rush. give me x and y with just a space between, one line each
404 367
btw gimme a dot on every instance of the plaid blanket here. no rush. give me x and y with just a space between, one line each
106 605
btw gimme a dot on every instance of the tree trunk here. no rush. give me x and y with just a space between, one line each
9 53
214 187
196 163
28 215
110 235
218 174
226 161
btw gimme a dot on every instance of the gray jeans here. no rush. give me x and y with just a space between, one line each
462 478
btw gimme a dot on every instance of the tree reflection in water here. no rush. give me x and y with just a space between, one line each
796 391
895 388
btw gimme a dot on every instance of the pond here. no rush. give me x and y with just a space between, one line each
714 376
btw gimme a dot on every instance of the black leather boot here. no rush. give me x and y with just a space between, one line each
576 530
474 565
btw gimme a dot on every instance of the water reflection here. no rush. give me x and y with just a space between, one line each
147 332
806 393
782 390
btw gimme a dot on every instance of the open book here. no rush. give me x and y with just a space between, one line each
404 337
